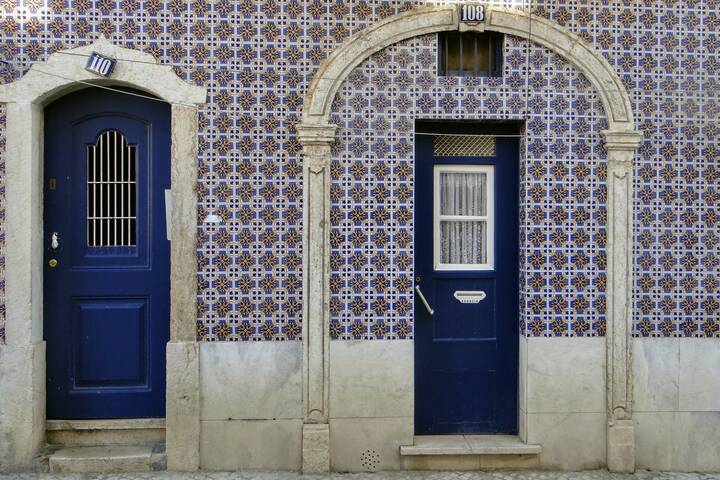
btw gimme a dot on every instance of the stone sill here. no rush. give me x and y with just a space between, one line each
108 459
125 424
469 445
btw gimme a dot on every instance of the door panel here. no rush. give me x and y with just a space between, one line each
466 264
106 297
102 324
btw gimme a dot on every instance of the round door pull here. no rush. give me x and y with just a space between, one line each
53 263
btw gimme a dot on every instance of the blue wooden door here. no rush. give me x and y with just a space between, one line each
106 275
466 266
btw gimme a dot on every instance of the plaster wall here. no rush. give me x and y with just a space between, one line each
677 404
251 395
371 404
562 400
250 406
22 413
251 415
562 404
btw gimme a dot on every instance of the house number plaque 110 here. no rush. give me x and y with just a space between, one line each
472 12
100 65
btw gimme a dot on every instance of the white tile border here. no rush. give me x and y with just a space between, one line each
25 99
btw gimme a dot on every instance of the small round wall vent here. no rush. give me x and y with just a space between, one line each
370 460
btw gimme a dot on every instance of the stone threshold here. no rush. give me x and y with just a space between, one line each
469 445
121 424
105 459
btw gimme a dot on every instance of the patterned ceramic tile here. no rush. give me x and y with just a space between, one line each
563 193
257 57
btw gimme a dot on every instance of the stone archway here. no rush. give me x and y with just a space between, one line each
22 358
317 135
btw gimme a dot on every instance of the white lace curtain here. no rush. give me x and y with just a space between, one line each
463 241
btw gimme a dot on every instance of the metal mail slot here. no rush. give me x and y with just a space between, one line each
470 296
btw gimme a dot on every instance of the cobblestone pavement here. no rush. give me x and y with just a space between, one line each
498 475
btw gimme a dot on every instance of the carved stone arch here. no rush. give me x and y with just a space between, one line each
22 357
334 70
316 135
64 71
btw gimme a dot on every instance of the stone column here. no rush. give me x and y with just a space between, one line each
316 140
620 146
182 412
22 357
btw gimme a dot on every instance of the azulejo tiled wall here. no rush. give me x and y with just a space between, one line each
562 186
257 58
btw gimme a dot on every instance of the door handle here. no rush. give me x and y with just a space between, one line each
424 300
54 240
168 211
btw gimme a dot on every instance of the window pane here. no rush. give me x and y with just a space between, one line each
483 53
463 242
463 193
453 53
111 192
468 53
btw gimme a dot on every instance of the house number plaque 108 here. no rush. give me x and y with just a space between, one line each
470 12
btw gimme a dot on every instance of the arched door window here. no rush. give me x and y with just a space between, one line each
111 191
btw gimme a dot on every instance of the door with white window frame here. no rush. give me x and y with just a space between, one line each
466 284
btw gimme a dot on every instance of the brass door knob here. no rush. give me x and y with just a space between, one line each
53 263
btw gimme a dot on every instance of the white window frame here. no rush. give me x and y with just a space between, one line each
489 217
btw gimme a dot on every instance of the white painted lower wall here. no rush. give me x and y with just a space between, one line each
250 406
677 403
372 394
562 400
251 403
22 404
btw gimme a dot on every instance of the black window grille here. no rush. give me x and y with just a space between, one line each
473 54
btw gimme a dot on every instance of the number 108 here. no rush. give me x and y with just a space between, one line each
472 13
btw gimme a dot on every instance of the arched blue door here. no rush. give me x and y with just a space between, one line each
107 264
466 266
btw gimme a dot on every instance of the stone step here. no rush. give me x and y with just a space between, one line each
469 445
82 433
470 452
108 458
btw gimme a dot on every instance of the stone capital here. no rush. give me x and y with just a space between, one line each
621 144
316 141
312 134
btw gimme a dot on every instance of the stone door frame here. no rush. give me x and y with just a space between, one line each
22 357
317 135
